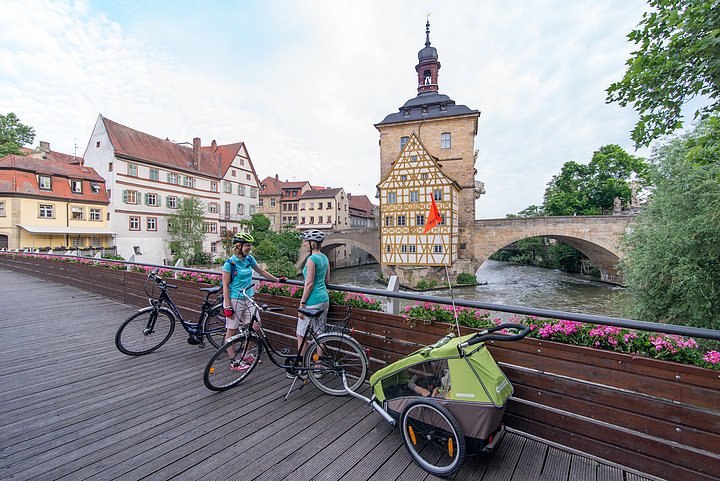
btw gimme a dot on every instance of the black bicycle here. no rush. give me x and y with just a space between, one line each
151 327
327 357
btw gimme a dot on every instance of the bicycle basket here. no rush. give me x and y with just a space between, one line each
339 320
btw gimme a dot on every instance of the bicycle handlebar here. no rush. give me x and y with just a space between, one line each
487 335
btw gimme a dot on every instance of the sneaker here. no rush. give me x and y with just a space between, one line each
239 366
248 359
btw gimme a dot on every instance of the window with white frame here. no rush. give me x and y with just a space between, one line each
388 221
210 227
130 196
241 209
420 220
251 210
78 242
253 192
445 142
241 189
188 181
171 202
391 197
213 186
248 177
152 223
213 247
2 208
403 177
272 201
403 141
134 223
261 202
401 220
227 187
44 182
414 196
154 174
46 211
423 176
172 178
387 248
95 187
95 242
437 194
95 214
412 249
77 213
76 186
213 207
438 249
403 249
132 170
151 199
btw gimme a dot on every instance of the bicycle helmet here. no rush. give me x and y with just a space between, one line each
314 235
243 237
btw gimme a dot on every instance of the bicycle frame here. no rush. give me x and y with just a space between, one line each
191 328
267 344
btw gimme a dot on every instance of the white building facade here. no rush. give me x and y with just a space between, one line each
146 177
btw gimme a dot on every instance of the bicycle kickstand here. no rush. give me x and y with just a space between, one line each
302 385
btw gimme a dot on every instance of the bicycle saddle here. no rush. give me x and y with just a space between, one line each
310 312
211 290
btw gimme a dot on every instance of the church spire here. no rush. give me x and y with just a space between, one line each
428 66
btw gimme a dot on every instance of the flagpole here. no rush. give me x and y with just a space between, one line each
434 219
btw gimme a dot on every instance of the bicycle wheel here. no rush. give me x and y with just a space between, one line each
214 328
433 437
145 331
232 363
332 355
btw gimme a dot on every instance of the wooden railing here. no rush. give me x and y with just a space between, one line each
658 417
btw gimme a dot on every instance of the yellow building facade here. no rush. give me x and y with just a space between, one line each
406 196
50 203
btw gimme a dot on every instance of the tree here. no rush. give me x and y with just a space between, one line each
13 135
672 256
678 58
531 211
186 228
591 189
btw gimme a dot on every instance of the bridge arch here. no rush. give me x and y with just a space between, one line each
597 237
367 240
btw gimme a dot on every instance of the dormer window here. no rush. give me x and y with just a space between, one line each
95 187
44 182
76 186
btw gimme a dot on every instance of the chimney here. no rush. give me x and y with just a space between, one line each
276 177
196 153
213 144
44 146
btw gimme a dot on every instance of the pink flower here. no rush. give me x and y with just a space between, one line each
713 357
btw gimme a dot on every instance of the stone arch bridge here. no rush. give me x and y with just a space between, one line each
598 237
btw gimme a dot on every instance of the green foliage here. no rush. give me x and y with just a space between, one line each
226 241
531 211
564 257
359 301
113 257
201 259
424 285
672 259
186 228
282 267
466 279
428 313
677 58
13 135
591 189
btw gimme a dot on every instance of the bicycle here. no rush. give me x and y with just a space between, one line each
151 327
329 357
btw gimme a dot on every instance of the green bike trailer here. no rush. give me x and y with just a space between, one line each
451 394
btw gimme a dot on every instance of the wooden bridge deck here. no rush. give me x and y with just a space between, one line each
75 408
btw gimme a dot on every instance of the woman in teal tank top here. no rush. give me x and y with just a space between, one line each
315 294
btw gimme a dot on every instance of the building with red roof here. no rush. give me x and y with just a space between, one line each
148 175
49 199
279 200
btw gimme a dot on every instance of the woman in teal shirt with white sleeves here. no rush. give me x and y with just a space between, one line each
315 294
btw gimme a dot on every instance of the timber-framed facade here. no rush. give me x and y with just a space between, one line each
406 195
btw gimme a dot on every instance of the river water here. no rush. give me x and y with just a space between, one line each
513 284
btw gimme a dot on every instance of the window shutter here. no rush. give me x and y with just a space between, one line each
145 197
125 196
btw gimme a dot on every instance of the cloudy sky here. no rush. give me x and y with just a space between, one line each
302 82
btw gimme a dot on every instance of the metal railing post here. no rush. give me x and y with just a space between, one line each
392 305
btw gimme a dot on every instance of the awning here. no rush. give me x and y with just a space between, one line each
66 230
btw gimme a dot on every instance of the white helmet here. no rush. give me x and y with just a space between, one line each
314 235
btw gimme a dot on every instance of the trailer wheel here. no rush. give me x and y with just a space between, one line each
433 437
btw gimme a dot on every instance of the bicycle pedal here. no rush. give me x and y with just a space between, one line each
285 351
201 345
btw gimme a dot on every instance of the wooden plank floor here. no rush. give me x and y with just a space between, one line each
75 408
